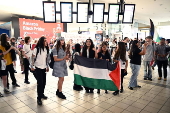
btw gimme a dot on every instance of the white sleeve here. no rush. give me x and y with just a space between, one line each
127 56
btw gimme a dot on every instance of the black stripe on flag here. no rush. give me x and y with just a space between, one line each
94 63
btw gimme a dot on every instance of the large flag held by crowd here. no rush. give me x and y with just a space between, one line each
96 73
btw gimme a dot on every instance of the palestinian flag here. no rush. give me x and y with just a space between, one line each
96 73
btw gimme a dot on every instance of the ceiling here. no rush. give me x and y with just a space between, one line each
157 10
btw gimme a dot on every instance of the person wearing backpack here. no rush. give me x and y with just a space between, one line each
27 53
40 66
60 67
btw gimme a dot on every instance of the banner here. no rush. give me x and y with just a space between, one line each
37 28
96 73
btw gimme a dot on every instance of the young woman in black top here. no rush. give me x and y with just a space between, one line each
104 54
89 52
122 56
135 62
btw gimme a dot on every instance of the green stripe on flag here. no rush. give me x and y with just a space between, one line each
95 83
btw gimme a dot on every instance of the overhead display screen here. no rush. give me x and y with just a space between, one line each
113 13
98 12
66 9
49 12
128 15
82 12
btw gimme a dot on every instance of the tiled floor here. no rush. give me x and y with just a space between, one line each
153 97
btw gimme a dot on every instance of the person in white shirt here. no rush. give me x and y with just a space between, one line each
122 56
40 66
27 53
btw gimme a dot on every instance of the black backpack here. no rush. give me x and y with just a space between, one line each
51 64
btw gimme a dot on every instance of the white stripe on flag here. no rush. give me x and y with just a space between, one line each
92 72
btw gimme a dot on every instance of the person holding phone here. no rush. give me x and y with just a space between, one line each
7 52
60 67
135 62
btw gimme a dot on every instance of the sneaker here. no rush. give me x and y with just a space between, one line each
91 91
16 85
106 91
138 86
165 79
145 79
15 71
23 72
159 78
39 102
1 95
131 88
149 79
7 91
57 92
61 95
27 82
87 91
44 97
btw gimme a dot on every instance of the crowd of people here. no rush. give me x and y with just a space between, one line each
39 56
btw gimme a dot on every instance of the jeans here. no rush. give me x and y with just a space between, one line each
135 71
10 69
163 64
26 68
41 82
147 69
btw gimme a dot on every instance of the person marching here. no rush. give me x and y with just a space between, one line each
60 67
40 66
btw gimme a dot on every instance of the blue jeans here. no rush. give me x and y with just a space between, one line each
147 69
135 71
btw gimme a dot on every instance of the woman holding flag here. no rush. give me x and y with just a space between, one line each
104 54
89 52
122 56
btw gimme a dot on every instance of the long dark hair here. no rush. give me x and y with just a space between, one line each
134 46
91 46
78 48
59 44
104 44
41 46
4 42
121 52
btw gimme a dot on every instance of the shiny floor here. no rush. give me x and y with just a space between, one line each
153 97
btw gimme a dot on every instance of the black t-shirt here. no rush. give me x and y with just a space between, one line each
136 58
106 56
